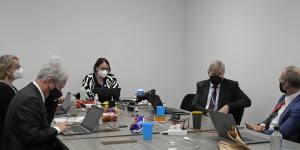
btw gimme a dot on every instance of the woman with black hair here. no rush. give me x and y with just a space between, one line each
101 78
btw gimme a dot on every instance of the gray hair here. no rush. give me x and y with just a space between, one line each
5 62
217 67
292 75
55 70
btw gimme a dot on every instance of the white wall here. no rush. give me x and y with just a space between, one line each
162 44
142 40
255 39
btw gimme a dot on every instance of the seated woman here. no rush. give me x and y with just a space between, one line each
10 70
101 78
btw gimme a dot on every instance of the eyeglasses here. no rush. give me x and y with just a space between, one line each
185 123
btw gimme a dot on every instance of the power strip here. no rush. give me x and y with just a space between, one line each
175 130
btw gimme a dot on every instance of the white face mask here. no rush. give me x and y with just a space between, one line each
18 73
102 73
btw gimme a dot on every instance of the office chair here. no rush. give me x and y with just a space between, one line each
187 102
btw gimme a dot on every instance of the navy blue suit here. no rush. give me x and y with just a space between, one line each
289 121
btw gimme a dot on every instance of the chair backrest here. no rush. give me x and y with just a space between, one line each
186 103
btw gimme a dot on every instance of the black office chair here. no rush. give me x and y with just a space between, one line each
186 103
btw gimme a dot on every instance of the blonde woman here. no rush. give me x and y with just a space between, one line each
10 70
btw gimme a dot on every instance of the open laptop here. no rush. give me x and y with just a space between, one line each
89 123
156 101
63 109
106 94
223 122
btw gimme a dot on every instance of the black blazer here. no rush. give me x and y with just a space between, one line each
230 94
6 95
26 124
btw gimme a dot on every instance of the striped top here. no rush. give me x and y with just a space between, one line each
90 82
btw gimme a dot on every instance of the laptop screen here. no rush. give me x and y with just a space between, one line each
91 120
222 122
67 102
106 94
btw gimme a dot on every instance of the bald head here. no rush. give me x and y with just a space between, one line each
291 74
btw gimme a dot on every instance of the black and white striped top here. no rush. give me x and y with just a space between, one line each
90 82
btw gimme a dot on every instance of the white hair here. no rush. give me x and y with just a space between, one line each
53 69
216 67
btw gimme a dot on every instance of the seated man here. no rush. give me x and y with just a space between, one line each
220 94
26 122
286 114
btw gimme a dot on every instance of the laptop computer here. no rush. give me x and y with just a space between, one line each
89 123
63 109
106 94
156 101
224 122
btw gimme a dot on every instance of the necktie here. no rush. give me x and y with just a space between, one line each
278 106
212 103
276 109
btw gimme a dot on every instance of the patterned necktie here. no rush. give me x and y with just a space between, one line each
276 109
213 100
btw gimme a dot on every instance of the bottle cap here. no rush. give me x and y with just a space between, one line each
276 128
197 112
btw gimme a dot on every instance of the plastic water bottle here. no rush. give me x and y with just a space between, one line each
96 98
276 139
96 101
73 109
82 94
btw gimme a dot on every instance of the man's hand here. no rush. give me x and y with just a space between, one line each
63 126
254 127
224 109
61 99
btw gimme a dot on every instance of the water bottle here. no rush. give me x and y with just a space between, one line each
82 94
96 101
73 109
96 98
276 139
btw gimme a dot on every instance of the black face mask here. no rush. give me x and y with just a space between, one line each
54 94
215 80
281 87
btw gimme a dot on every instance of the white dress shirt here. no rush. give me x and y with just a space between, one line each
211 89
288 100
40 90
43 97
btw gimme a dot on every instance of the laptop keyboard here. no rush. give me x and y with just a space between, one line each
247 137
77 129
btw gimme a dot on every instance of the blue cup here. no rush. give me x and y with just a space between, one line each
160 111
147 130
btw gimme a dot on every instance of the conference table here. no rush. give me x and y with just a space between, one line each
106 138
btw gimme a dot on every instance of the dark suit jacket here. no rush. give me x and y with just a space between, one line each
6 95
289 121
26 125
51 103
230 94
